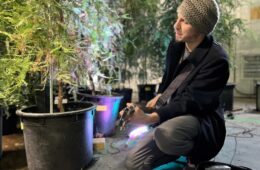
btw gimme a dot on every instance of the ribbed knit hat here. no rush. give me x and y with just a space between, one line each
201 14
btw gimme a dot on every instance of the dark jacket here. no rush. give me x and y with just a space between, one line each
199 93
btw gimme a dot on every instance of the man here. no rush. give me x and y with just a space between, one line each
191 120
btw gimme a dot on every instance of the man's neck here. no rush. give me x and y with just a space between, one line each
191 45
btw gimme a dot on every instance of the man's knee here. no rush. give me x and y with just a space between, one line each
176 136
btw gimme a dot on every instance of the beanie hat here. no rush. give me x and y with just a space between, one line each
203 15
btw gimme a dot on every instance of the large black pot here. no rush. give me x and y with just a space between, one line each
106 112
59 140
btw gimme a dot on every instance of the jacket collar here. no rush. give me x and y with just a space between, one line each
199 53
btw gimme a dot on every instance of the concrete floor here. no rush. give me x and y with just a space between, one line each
241 146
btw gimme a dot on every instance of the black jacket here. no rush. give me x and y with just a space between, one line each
199 93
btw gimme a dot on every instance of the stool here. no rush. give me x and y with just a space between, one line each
179 163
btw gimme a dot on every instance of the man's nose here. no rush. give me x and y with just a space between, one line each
176 25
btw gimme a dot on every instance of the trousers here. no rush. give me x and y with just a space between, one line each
166 142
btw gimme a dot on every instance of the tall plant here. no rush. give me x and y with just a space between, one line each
139 26
72 42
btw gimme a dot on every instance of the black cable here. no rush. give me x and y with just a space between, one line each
115 148
121 136
245 131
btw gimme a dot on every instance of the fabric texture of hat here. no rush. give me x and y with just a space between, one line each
201 14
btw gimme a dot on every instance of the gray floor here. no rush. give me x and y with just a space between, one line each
242 145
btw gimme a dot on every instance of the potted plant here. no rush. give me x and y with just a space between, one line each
55 39
103 67
123 73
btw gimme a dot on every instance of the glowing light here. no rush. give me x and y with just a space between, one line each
138 132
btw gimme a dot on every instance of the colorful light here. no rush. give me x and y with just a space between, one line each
138 132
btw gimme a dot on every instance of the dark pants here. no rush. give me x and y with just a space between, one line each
165 143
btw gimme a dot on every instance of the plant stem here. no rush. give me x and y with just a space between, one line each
51 85
60 97
91 84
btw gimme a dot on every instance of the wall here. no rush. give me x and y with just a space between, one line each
247 72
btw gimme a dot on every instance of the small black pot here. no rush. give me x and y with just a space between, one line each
146 92
227 97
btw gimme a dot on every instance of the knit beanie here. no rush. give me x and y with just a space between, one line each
203 15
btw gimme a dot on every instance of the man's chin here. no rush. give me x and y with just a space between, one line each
178 40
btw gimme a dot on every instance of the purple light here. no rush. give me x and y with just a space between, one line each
107 112
138 132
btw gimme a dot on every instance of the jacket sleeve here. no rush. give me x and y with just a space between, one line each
201 95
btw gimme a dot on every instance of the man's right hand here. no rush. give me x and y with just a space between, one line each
139 117
152 102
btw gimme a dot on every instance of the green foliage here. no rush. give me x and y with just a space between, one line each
139 26
229 25
13 68
75 41
166 19
97 34
12 80
164 33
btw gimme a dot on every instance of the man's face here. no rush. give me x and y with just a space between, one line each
184 31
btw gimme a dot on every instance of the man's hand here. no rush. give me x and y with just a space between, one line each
152 102
125 115
139 117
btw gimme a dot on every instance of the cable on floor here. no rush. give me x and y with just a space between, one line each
245 131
